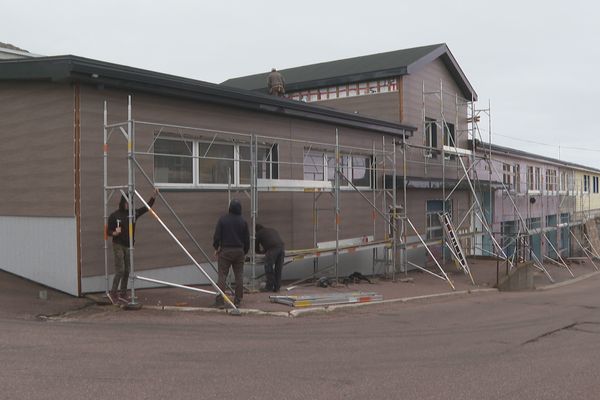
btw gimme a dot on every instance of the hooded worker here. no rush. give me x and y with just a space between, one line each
231 242
118 222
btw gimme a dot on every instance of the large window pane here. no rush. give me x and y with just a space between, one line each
266 169
216 163
168 168
313 166
331 169
361 171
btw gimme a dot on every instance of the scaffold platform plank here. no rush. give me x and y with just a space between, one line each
326 299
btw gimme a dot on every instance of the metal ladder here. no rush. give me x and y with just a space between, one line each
454 245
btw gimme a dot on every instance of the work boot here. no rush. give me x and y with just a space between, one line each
266 289
219 302
124 297
113 297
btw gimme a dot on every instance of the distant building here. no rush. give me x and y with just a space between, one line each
8 51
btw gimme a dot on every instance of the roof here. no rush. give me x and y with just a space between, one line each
358 69
72 68
520 153
11 47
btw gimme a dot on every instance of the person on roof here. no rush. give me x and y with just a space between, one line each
120 242
231 242
276 83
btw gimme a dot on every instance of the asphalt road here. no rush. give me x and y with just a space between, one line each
534 345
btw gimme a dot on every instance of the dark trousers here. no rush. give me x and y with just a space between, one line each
122 267
273 267
231 257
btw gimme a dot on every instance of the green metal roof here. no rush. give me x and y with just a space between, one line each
375 66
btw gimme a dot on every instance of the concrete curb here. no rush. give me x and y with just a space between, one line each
569 282
317 310
326 309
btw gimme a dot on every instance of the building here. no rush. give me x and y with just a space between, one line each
544 195
8 51
362 149
423 87
51 205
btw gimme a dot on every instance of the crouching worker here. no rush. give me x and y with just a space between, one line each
273 248
231 242
118 223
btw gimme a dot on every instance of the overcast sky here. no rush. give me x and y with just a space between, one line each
537 62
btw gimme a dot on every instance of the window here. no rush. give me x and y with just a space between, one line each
586 183
430 133
562 181
314 166
350 90
534 223
506 175
508 230
320 166
216 163
173 161
197 163
551 180
449 135
517 177
434 227
595 184
534 178
266 158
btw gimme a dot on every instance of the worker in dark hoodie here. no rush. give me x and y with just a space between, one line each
269 242
118 223
231 242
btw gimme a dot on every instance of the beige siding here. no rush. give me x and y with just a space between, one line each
290 213
36 130
431 75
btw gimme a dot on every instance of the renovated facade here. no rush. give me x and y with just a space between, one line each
51 211
411 109
547 195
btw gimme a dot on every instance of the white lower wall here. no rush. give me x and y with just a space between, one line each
191 275
43 249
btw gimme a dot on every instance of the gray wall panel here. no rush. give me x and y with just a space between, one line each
41 249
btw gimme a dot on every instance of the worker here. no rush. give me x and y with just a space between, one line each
118 222
231 242
269 242
276 83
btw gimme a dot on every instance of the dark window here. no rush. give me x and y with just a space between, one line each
449 135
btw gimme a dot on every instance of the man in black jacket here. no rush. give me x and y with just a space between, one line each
118 222
273 247
231 242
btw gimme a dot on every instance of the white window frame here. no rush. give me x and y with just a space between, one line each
534 178
194 165
196 184
349 168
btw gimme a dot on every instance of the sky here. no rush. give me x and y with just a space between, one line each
534 62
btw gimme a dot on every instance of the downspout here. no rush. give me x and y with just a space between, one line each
77 178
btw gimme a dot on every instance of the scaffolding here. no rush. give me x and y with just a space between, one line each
379 165
333 176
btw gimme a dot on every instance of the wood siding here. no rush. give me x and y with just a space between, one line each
36 130
290 213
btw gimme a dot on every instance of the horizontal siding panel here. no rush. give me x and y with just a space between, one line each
36 129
